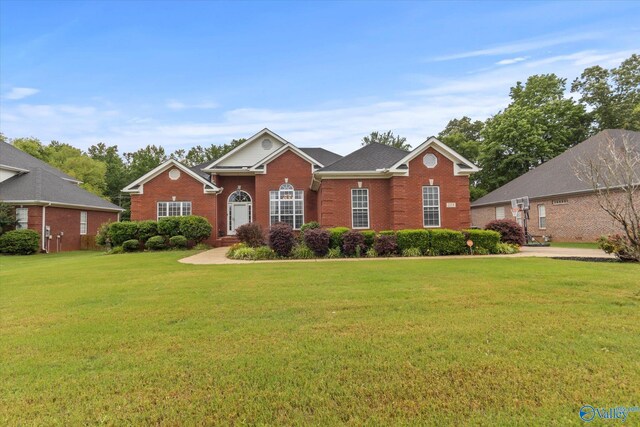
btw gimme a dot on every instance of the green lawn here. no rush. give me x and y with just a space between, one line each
578 245
140 339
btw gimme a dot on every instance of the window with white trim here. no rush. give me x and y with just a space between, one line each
360 208
22 218
500 212
542 217
83 222
431 206
287 205
166 209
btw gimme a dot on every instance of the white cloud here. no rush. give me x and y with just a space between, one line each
512 60
20 93
177 105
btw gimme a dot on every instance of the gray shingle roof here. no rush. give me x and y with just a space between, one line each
45 184
368 158
325 157
198 169
557 176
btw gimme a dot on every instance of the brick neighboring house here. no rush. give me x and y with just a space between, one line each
561 206
268 179
50 202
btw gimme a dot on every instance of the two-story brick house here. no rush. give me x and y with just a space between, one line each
268 179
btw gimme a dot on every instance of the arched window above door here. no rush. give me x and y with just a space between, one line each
239 196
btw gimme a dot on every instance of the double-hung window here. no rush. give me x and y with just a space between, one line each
431 206
166 209
542 217
500 212
22 218
287 205
360 208
83 222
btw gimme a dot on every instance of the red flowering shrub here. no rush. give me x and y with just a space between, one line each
317 239
510 231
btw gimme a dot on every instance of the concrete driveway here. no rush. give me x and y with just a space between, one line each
217 256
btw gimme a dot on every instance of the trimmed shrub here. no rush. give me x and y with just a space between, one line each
102 236
20 242
447 242
245 253
334 253
195 228
369 238
131 245
506 248
156 243
318 240
146 230
116 250
302 251
335 234
486 240
510 231
412 252
386 245
251 234
120 232
387 233
234 248
265 252
169 226
407 239
201 246
309 226
620 246
353 243
178 242
281 238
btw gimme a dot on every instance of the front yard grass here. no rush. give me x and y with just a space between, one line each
576 245
141 339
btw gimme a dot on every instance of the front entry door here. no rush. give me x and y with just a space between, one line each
239 216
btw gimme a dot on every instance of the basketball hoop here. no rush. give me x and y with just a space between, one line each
515 211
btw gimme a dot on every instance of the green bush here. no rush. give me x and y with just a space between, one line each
371 253
146 230
265 252
336 236
369 237
116 250
412 252
156 243
178 242
302 251
245 253
102 236
169 226
408 239
309 226
486 240
447 242
20 242
387 233
234 248
334 253
201 247
120 232
506 248
196 228
131 245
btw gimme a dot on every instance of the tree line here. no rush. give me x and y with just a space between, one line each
539 123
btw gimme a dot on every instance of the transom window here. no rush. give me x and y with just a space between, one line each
83 222
287 205
239 196
173 209
431 206
360 208
22 218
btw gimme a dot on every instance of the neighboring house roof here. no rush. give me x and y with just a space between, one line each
371 157
557 176
323 156
14 157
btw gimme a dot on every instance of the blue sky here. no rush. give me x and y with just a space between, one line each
324 74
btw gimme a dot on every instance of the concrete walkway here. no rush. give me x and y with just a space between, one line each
218 256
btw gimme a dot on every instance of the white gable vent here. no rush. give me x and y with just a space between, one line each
267 144
174 174
430 160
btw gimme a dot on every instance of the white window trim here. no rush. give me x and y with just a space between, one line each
22 224
279 200
182 203
540 217
368 209
424 206
83 224
230 206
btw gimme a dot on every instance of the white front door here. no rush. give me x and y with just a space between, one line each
239 216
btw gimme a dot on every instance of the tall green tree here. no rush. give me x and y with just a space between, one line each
143 160
198 154
116 172
386 138
613 95
464 136
538 124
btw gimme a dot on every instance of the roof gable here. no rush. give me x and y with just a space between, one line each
250 152
461 166
136 186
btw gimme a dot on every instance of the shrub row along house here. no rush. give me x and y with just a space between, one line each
51 202
563 206
268 180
